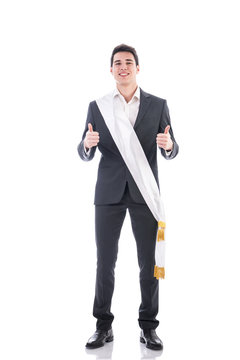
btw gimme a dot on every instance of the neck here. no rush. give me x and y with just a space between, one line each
127 91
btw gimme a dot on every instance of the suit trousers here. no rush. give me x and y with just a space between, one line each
108 223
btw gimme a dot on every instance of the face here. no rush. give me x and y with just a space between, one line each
124 69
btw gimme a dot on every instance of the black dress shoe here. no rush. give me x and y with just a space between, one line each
99 338
150 338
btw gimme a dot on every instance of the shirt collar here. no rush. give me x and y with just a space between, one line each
136 94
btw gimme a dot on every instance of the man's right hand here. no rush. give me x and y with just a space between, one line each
92 137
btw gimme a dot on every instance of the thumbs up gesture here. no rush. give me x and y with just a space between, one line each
164 140
92 137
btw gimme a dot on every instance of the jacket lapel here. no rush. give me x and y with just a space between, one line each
145 101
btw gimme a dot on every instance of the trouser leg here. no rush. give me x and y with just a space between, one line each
144 228
108 224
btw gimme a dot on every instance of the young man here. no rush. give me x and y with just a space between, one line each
145 119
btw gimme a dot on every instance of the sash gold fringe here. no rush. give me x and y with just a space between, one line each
159 272
161 228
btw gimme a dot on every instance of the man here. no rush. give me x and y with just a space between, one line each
116 189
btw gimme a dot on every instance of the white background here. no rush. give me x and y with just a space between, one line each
55 59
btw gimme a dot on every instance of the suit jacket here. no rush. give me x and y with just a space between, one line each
113 174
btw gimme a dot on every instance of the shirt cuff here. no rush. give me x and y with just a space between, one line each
87 152
168 152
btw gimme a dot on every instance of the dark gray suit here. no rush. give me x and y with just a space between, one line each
115 192
153 117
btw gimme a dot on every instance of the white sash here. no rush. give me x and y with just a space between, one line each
132 152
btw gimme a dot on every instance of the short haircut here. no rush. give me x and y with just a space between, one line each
127 48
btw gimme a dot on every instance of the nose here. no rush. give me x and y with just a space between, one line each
123 66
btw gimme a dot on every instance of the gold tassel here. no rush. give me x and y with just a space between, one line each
161 227
159 272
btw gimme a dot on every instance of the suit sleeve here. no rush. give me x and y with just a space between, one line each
165 120
87 156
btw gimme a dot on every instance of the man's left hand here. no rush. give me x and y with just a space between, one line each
164 140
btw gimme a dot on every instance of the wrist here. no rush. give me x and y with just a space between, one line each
85 145
170 148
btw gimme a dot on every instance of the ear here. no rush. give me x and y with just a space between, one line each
138 69
111 69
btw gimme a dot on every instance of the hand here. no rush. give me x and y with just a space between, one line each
92 137
164 140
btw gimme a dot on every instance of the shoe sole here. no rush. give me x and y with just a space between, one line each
109 339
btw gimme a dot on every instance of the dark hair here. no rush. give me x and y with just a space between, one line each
124 47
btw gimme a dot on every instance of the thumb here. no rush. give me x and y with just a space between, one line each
167 128
90 127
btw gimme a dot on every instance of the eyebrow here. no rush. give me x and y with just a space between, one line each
125 60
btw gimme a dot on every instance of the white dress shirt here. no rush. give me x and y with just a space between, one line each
131 109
